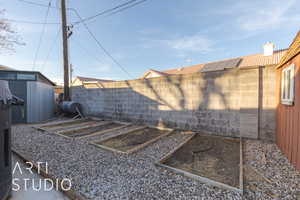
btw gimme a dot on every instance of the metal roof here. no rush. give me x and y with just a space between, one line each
34 72
261 60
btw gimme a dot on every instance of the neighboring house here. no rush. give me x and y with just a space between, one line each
268 57
2 67
288 108
35 89
58 89
88 82
153 73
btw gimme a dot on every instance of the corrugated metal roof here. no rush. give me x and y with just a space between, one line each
8 69
261 60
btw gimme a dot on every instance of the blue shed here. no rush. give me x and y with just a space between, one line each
37 92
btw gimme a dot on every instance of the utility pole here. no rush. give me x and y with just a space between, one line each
65 51
71 77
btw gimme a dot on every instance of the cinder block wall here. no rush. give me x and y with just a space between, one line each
222 103
268 108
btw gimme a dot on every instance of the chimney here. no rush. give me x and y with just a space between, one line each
269 49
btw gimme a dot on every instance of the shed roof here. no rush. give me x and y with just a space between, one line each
8 69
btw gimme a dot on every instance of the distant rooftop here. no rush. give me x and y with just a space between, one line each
87 79
2 67
241 62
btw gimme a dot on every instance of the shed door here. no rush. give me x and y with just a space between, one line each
19 89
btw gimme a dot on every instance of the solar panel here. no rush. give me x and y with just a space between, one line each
221 65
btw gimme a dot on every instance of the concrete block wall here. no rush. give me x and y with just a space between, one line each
267 127
249 102
222 103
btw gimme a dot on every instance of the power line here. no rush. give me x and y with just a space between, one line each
105 11
127 7
114 10
37 4
109 12
30 22
42 35
87 52
50 50
101 46
33 22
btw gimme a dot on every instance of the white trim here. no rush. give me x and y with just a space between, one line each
288 85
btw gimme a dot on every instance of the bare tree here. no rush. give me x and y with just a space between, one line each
8 37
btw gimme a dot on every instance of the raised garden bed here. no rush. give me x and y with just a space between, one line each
73 126
132 141
211 159
67 124
64 123
91 130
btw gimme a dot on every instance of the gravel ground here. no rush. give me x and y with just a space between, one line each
100 174
275 177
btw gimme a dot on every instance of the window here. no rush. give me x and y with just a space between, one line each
7 76
30 77
287 85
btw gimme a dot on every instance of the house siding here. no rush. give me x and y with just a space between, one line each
40 101
288 118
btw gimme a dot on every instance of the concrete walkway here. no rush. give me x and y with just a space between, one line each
29 193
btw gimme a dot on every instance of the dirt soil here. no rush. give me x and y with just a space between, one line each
92 130
131 140
212 157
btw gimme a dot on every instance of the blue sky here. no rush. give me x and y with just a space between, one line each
155 34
